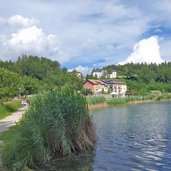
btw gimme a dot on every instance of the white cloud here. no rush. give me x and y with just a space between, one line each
79 32
27 38
145 51
83 70
89 30
18 20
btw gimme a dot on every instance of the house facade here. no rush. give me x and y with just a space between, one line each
96 86
117 88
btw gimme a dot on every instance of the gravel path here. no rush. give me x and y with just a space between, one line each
11 120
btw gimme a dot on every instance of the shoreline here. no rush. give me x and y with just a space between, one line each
105 105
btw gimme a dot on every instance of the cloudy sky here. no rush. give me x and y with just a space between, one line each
86 33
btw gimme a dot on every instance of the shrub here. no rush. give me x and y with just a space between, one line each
57 123
86 91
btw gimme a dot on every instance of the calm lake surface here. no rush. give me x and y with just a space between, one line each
136 137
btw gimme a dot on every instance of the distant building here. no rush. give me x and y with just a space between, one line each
113 74
98 73
117 88
101 73
78 74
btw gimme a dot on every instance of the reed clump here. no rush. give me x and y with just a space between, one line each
56 124
92 100
117 101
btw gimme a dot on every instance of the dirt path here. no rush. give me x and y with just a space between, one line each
11 120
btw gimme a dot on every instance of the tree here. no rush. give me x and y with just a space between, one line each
108 91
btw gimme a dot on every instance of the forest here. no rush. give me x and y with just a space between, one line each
33 74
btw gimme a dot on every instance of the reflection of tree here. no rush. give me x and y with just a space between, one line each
74 162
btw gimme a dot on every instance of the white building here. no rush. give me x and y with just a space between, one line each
113 74
101 73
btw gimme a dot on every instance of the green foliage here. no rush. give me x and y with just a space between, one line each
86 91
9 83
12 84
33 74
103 90
155 92
57 123
108 91
35 66
92 100
9 107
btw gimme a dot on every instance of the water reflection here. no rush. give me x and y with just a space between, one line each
75 162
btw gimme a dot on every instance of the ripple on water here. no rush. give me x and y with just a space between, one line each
134 137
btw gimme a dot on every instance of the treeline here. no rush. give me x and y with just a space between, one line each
143 78
32 74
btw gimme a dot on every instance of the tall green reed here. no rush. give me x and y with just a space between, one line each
92 100
56 124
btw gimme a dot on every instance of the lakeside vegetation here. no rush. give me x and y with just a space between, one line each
95 100
9 107
92 100
56 124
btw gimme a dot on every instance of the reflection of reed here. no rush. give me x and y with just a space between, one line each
75 162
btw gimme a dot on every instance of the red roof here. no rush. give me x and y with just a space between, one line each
94 82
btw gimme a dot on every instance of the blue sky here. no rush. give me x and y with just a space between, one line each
83 34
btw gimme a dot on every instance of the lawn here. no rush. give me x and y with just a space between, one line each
7 108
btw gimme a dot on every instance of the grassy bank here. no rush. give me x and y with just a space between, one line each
9 107
92 100
56 124
95 103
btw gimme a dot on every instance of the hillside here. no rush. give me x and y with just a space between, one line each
144 78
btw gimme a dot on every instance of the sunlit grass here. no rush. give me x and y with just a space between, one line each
9 107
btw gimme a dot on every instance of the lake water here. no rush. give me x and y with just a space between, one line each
136 137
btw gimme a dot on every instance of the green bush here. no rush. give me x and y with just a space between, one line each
57 123
86 91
